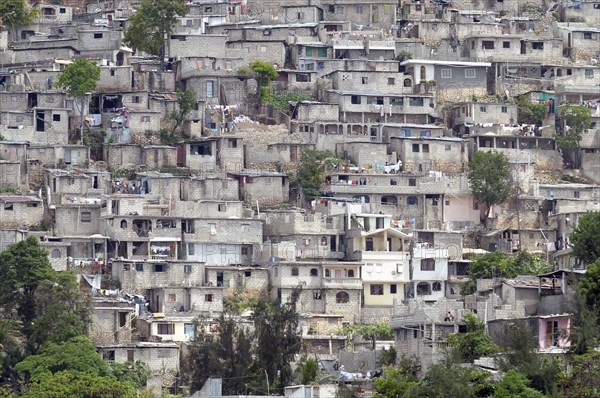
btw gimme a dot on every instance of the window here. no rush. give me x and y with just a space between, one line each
245 227
391 81
537 45
412 182
589 73
397 101
98 35
587 36
171 298
377 290
294 271
425 147
470 73
446 73
210 89
364 80
55 253
165 328
436 286
145 119
62 10
112 72
393 288
189 22
302 77
245 251
209 298
415 147
130 355
504 109
428 264
339 9
267 32
576 194
505 44
56 117
350 273
487 44
86 216
412 201
316 295
136 99
375 100
207 9
160 267
355 99
393 181
187 268
139 267
221 207
448 147
342 298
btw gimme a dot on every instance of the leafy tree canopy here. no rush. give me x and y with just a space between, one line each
186 101
312 171
16 12
489 175
473 344
515 385
151 23
263 72
498 264
79 77
529 112
586 238
578 120
589 286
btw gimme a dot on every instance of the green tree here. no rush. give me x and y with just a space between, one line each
490 265
473 344
62 310
578 120
312 171
515 385
151 24
489 175
586 244
16 12
387 357
447 380
186 102
584 327
308 369
263 74
396 382
65 384
529 112
583 380
79 79
589 286
24 267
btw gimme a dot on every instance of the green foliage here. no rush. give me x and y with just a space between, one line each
79 77
312 171
448 381
308 369
343 391
263 74
468 287
589 286
24 266
239 302
281 101
16 12
473 344
395 383
8 190
241 358
403 56
520 355
498 264
579 120
529 112
2 138
515 384
151 23
489 176
95 140
586 244
584 331
65 384
583 380
387 357
382 331
186 101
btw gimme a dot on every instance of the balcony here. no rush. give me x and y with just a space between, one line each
342 283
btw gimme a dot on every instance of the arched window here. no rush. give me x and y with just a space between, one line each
407 83
423 73
350 273
342 297
327 273
294 271
412 201
55 253
323 241
123 224
423 288
314 272
436 286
